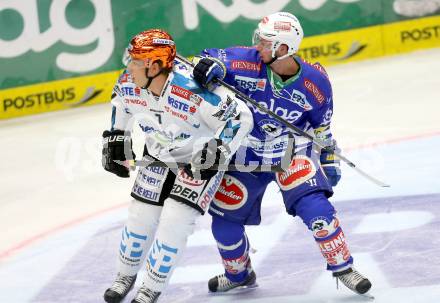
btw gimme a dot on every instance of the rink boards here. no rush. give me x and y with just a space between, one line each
329 49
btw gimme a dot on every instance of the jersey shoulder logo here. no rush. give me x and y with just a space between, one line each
314 89
228 109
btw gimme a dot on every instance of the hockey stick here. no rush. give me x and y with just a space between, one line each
292 127
226 167
282 167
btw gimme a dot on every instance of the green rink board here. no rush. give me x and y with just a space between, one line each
45 40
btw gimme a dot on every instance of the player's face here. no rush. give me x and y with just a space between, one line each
264 47
136 68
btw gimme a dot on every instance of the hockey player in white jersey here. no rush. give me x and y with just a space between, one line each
182 122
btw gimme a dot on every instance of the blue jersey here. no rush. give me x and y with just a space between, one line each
305 100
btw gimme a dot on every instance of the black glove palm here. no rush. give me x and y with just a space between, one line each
113 149
214 153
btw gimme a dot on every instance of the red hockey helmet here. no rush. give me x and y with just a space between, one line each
154 45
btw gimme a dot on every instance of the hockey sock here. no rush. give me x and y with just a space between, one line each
333 246
176 224
233 246
137 235
318 214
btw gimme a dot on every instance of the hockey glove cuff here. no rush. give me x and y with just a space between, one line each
330 163
113 149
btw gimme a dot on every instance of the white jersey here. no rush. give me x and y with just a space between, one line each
184 117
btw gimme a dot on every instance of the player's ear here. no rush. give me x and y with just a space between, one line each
155 66
283 49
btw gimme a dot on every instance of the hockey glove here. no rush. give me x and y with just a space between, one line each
113 149
213 153
331 164
208 69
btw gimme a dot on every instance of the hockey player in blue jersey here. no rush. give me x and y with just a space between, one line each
299 92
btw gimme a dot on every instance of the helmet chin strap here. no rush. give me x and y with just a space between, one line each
272 60
149 79
275 47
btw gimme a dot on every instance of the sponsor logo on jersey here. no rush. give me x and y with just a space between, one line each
252 84
136 101
231 195
185 192
282 26
181 92
145 193
176 114
301 169
269 148
148 179
184 178
131 91
271 128
157 170
181 106
196 99
289 115
245 65
210 192
311 87
300 99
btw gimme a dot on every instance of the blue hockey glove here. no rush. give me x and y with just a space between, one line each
113 149
331 164
213 153
208 69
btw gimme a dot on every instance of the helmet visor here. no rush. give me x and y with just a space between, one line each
126 58
257 40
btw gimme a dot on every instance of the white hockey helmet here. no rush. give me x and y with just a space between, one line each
280 28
